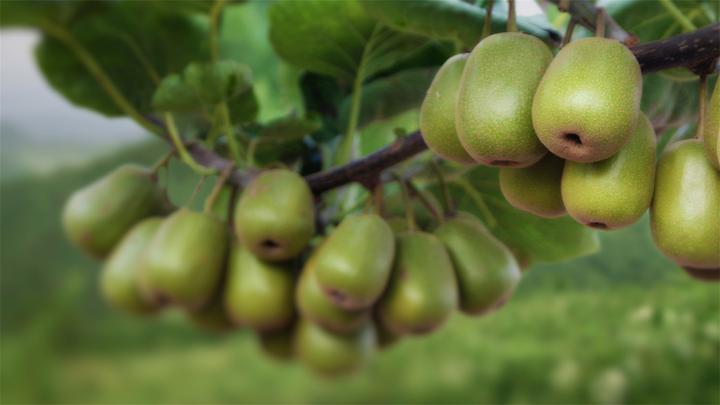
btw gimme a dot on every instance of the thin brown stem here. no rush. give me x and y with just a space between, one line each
600 23
212 199
420 195
511 23
487 28
701 106
569 32
444 189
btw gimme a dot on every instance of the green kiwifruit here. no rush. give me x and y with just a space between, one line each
493 118
588 102
120 274
332 354
685 212
708 275
184 259
314 305
353 265
259 294
278 344
213 317
535 189
614 192
275 216
711 127
423 292
487 272
97 216
437 113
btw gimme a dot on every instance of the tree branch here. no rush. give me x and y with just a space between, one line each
687 50
585 13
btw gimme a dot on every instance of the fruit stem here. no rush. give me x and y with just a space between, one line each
102 78
701 112
487 28
511 23
235 149
195 192
568 32
600 23
210 201
678 15
378 198
182 151
409 212
215 20
447 202
479 201
163 161
420 195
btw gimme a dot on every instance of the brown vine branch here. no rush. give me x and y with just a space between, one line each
585 13
686 50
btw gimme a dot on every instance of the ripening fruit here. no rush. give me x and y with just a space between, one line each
685 213
259 294
535 189
353 265
120 274
278 344
614 192
422 293
588 102
97 216
494 119
385 337
711 127
486 270
184 259
275 216
437 113
316 306
331 354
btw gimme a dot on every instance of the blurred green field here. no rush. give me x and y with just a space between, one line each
622 326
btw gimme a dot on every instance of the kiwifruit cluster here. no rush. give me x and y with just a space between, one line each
328 300
569 138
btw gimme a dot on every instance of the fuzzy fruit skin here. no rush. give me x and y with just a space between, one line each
259 294
331 354
592 89
423 291
615 192
707 275
535 189
711 128
278 344
486 270
97 216
685 213
275 216
120 273
314 305
437 113
353 265
184 259
494 118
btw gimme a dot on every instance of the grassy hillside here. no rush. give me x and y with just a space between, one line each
621 326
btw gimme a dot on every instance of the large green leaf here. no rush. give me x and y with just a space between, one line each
448 20
389 96
532 239
131 44
336 38
282 139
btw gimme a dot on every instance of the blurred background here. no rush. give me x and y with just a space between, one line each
624 325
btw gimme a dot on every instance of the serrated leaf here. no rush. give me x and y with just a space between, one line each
390 96
447 20
532 239
336 38
131 45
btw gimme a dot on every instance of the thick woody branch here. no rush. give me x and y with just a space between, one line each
584 12
689 50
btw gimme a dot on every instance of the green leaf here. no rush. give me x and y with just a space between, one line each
448 20
532 239
204 85
131 44
336 38
390 96
29 13
282 139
